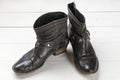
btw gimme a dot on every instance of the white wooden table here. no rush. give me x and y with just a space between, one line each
17 37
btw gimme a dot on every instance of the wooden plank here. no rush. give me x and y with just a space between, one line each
56 5
32 6
98 5
28 19
17 35
18 20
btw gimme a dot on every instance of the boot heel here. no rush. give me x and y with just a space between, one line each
60 51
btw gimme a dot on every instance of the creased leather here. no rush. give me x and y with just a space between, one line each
84 54
51 37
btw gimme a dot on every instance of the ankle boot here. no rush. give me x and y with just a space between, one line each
52 38
84 55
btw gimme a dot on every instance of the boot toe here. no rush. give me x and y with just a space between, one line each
88 65
21 66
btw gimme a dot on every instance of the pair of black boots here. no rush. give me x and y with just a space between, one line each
53 38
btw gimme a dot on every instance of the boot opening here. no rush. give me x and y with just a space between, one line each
76 13
49 17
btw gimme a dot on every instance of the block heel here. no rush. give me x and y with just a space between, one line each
60 51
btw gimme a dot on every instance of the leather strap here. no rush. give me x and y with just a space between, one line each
52 44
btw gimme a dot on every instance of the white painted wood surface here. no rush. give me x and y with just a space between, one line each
51 5
17 37
28 19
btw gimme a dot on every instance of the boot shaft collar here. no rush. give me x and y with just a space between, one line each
77 20
52 30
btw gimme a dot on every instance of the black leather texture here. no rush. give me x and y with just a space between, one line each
84 55
52 38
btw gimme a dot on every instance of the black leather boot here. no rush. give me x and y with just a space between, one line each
84 55
52 38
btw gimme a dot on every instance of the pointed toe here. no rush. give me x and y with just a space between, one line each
88 65
17 68
21 67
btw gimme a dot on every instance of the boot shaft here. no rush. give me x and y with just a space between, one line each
51 27
77 20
